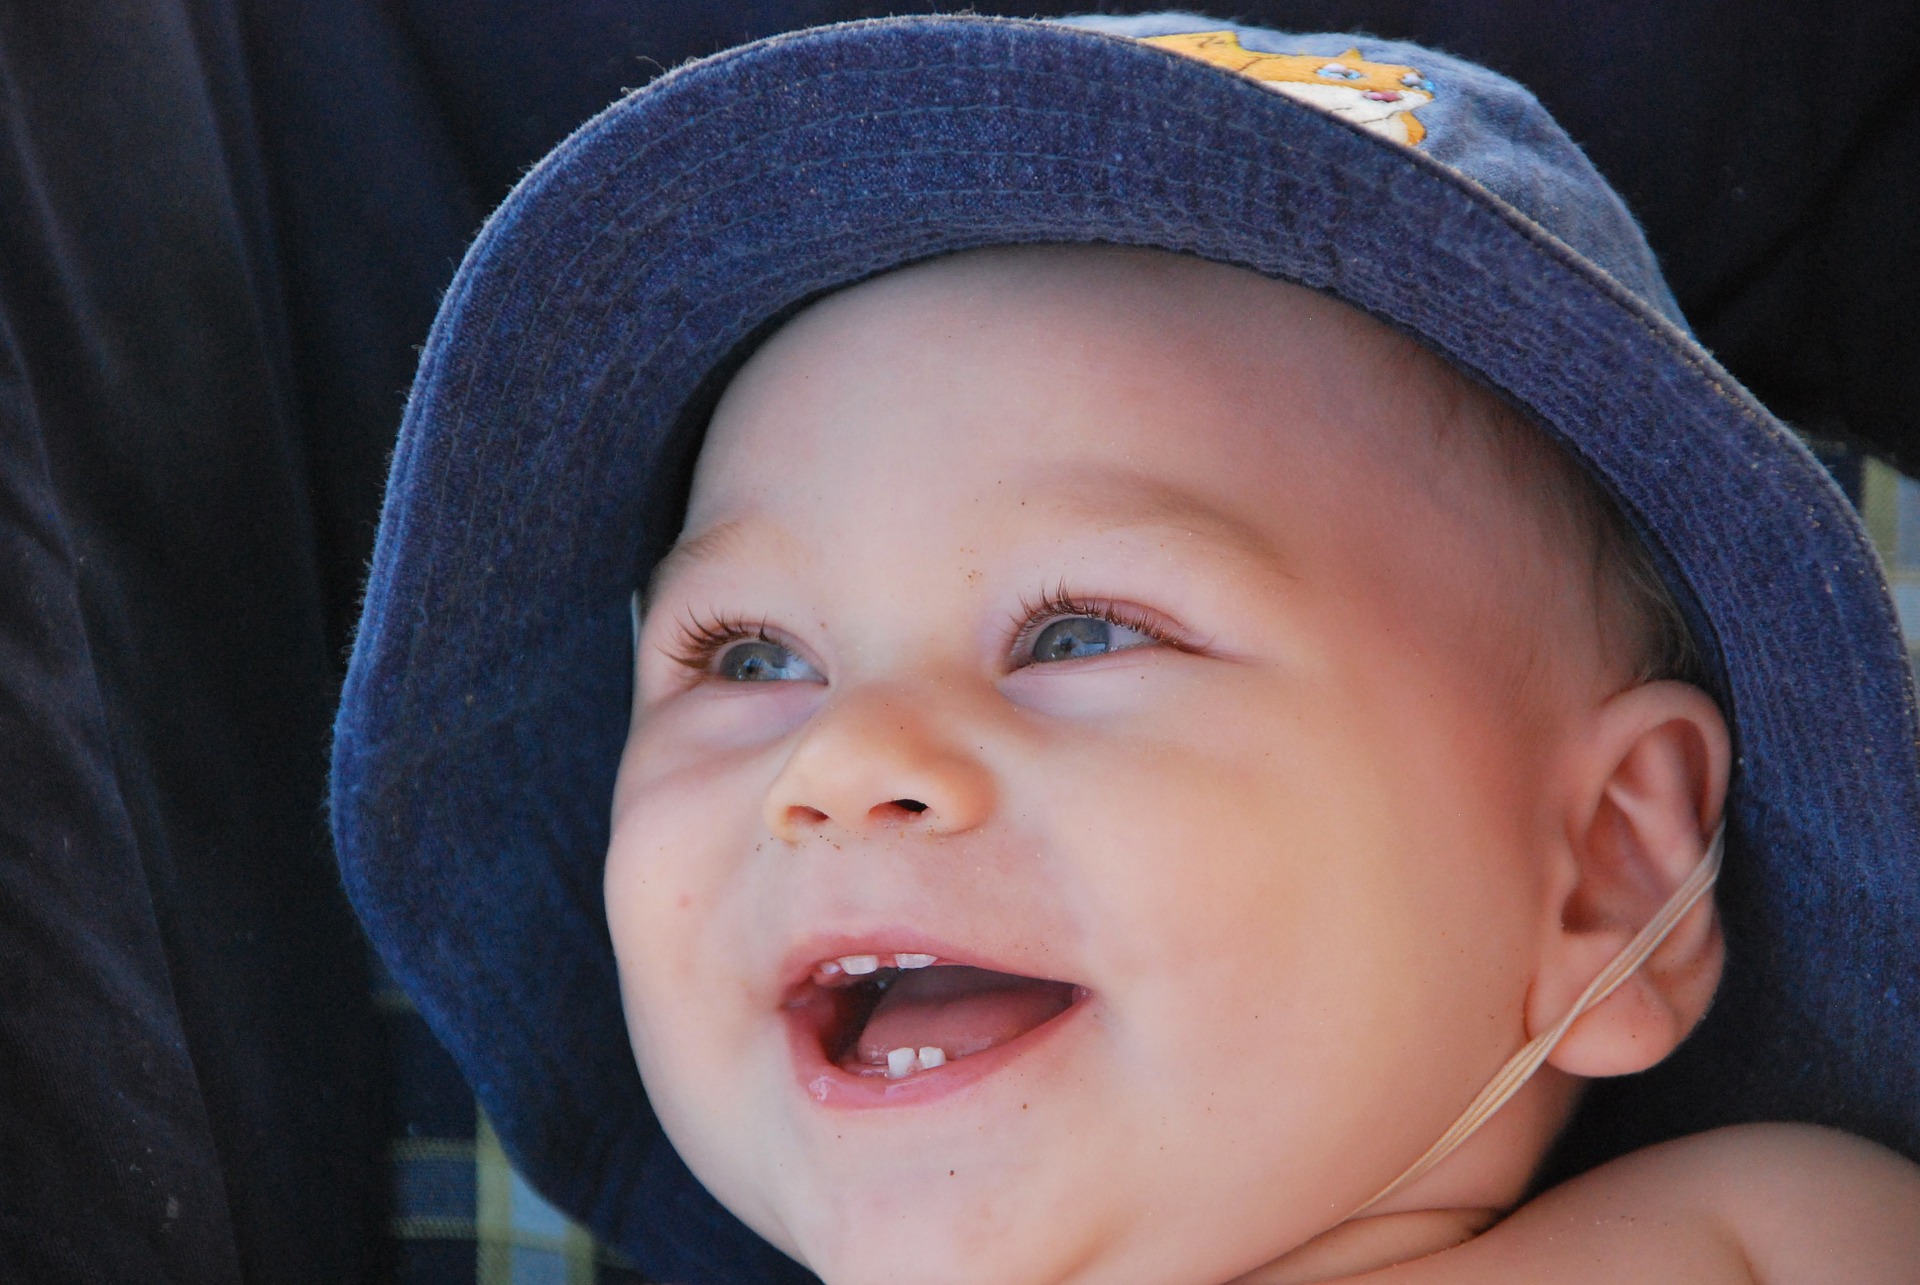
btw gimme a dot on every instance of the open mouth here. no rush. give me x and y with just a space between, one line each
903 1015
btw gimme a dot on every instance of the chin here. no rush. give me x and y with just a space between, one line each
956 1243
922 1208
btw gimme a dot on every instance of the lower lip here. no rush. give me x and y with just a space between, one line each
836 1088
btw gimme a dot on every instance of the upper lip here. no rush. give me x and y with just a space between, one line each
797 967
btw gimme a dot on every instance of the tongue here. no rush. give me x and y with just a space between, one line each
959 1009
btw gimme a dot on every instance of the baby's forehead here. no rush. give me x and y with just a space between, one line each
1136 336
1004 401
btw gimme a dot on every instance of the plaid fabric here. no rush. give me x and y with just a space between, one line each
461 1215
1890 503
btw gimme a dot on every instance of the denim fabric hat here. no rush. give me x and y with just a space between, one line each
543 465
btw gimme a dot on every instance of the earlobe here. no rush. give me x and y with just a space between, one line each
1651 778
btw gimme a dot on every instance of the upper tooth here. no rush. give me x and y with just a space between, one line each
912 961
899 1062
860 965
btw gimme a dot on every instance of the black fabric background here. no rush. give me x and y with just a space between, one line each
224 226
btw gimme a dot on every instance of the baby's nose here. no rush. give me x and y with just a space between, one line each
876 760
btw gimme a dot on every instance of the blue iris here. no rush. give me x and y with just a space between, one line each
757 660
1074 636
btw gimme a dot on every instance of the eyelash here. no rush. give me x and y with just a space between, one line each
1063 602
699 642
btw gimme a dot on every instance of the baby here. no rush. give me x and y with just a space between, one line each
1139 770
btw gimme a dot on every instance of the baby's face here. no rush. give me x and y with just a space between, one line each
1103 649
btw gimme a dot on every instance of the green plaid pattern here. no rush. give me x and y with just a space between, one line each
460 1214
454 1190
1890 503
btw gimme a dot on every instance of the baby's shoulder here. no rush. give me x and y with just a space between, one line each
1774 1203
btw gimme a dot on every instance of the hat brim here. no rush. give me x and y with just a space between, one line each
543 462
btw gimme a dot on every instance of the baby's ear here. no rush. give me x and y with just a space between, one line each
1650 780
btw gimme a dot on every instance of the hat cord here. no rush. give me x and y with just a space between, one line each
1521 1066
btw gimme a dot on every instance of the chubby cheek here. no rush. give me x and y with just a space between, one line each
653 903
689 1021
1264 913
652 918
1223 841
684 825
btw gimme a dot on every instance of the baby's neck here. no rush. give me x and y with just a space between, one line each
1366 1244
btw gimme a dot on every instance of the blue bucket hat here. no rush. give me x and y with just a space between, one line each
543 464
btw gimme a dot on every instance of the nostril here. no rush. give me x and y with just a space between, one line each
800 815
896 811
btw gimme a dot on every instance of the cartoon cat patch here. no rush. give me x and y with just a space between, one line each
1376 96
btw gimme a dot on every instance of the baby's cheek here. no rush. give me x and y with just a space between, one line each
703 1069
675 1050
671 865
654 905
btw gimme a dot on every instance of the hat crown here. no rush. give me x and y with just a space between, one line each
1479 124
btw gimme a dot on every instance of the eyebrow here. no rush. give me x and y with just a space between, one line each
713 543
1108 499
1121 499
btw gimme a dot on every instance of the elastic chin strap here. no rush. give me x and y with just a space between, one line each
1521 1066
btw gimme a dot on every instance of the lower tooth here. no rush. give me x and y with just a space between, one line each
899 1063
931 1057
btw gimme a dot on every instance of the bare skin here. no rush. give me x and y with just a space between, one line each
1349 794
1760 1204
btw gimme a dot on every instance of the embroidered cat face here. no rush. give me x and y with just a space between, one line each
1380 97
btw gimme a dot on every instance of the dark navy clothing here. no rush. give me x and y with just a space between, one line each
224 228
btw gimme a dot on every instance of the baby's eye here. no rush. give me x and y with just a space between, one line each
761 660
1070 637
735 652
